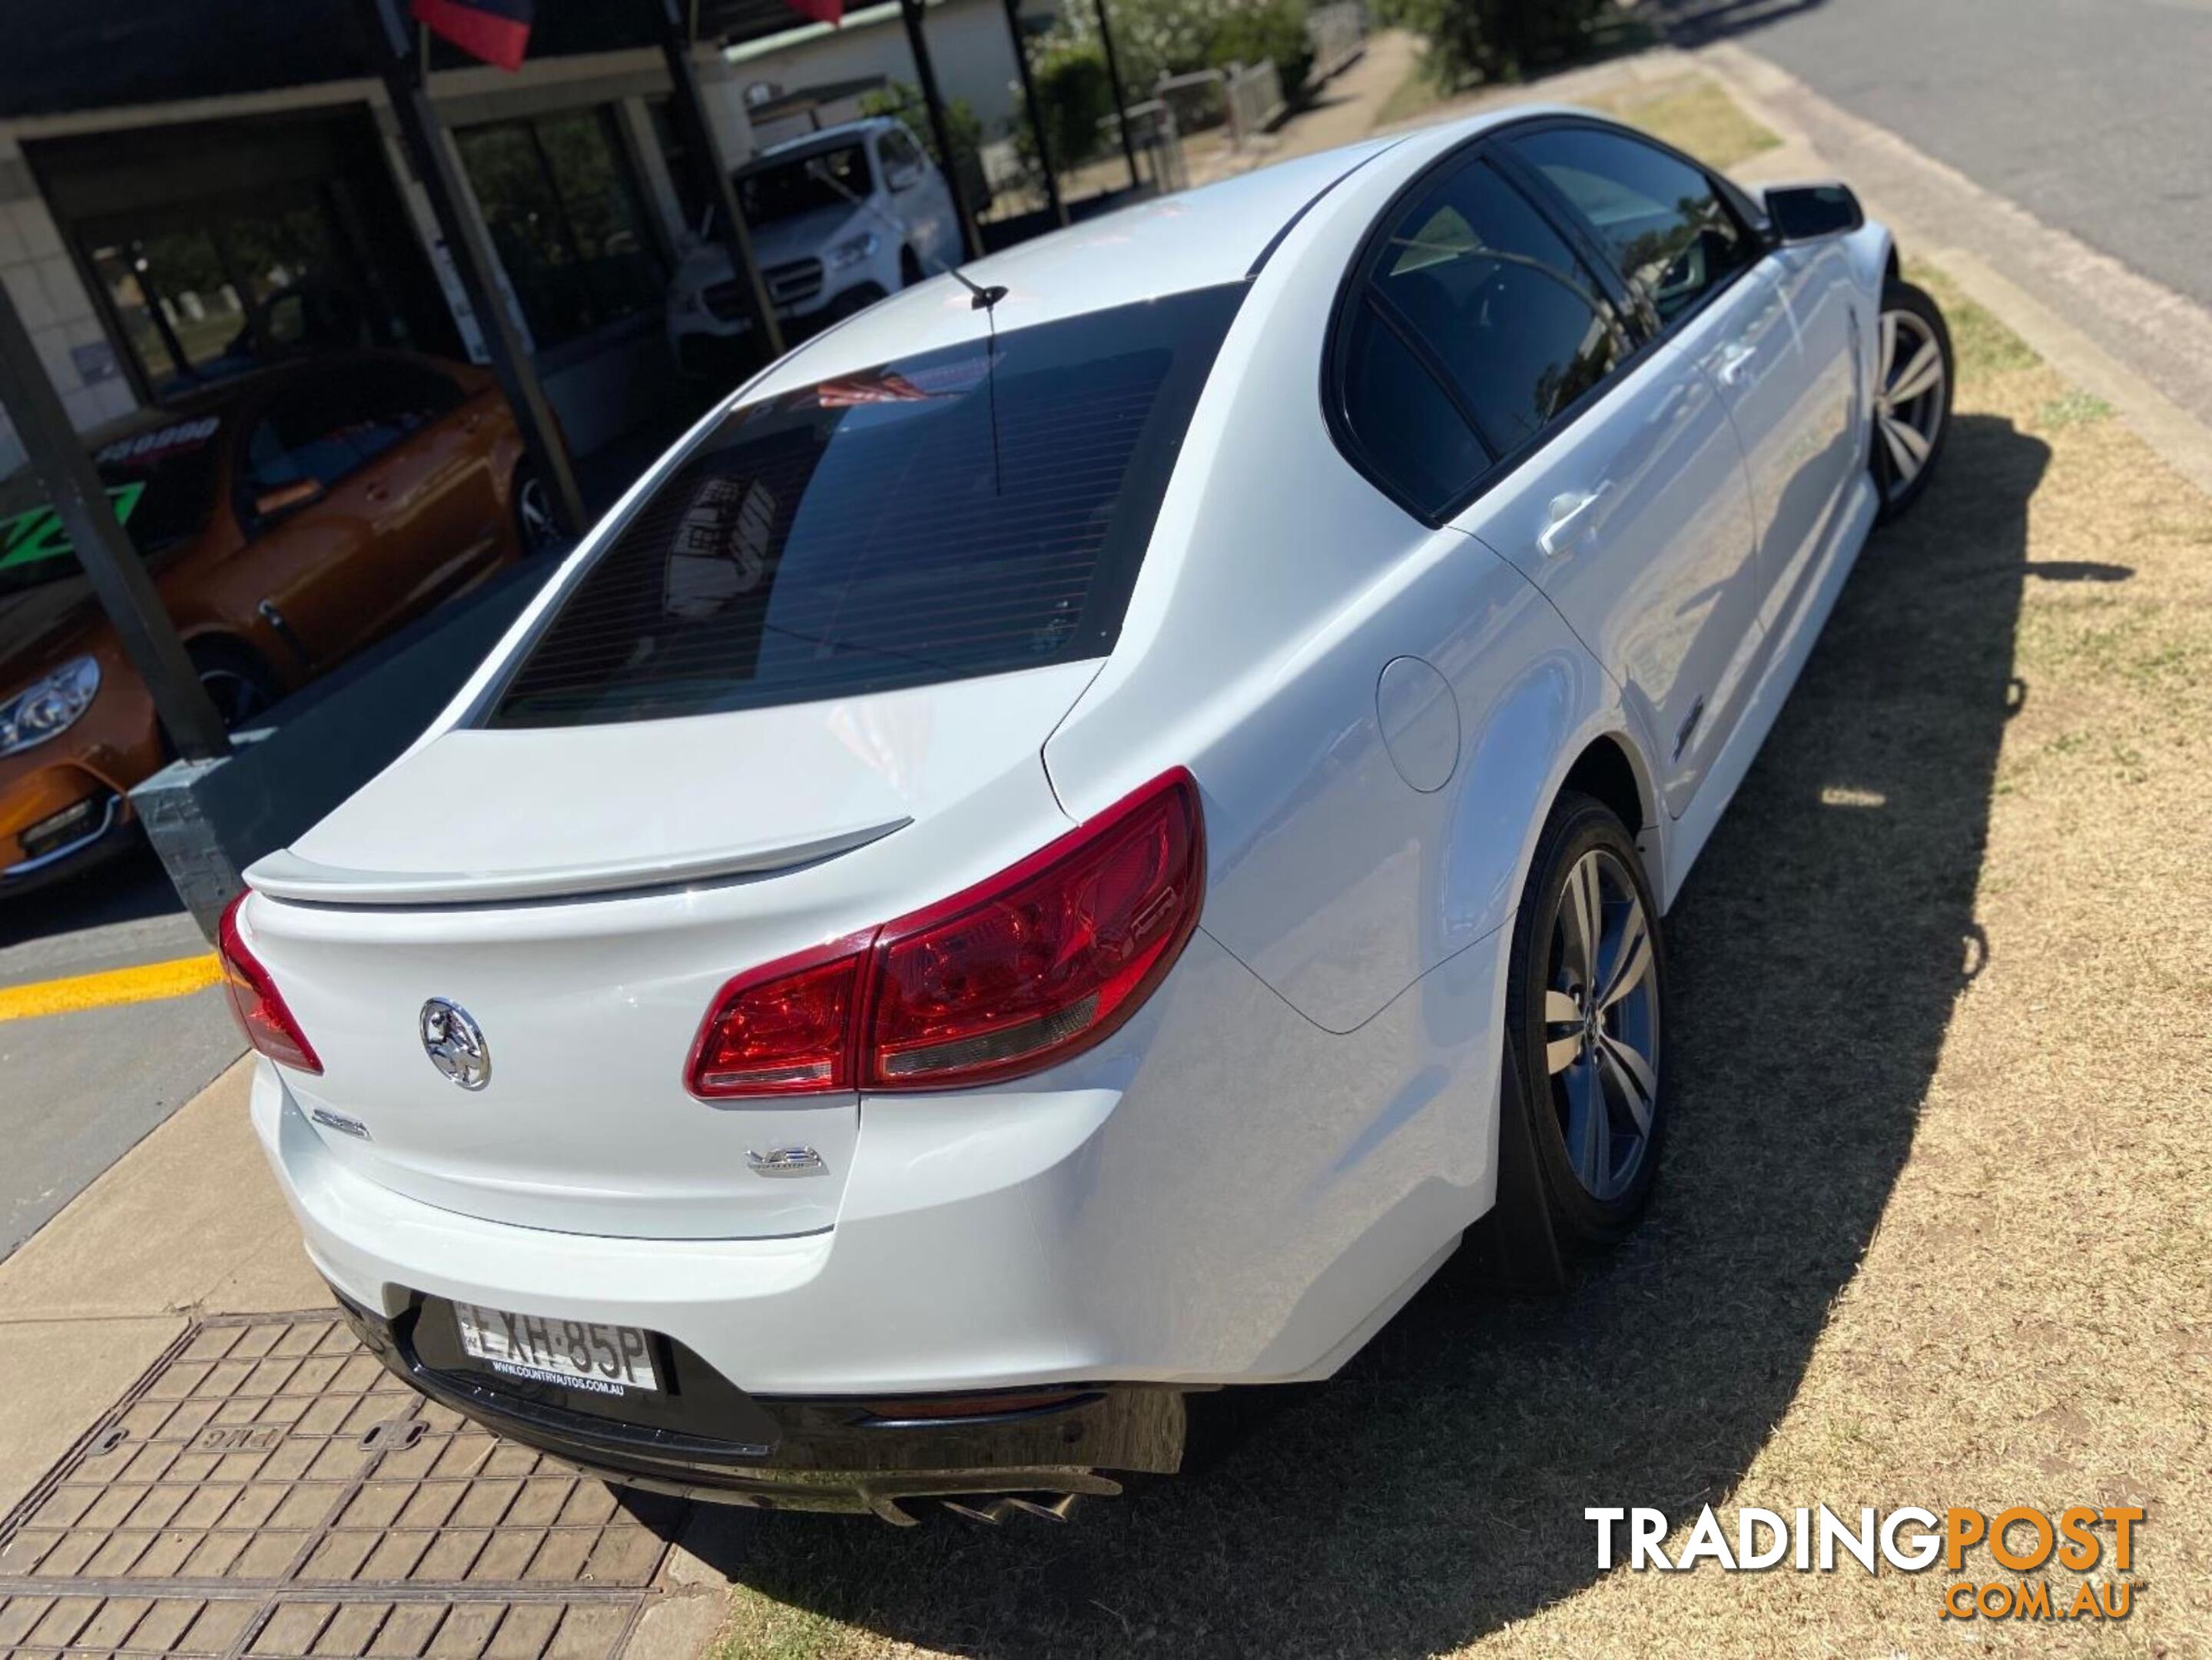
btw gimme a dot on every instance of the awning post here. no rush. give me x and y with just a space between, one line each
940 130
1037 113
392 45
1120 97
705 153
112 565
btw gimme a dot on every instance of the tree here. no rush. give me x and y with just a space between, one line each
965 128
1496 39
1153 38
1076 95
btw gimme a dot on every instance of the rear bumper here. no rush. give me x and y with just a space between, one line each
932 1299
782 1454
1218 1195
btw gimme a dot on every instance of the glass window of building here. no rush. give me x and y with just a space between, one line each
568 219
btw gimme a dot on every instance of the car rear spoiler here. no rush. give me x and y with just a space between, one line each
285 874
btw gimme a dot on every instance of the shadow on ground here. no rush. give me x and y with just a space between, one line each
1434 1490
1694 22
128 888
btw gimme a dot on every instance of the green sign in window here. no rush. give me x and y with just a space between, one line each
36 533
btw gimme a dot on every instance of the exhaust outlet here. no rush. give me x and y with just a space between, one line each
992 1513
1055 1511
989 1514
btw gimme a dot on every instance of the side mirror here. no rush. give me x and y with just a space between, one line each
287 498
904 177
1811 213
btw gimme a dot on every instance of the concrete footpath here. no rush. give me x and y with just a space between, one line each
196 1459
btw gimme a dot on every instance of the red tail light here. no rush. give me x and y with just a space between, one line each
1044 959
784 1029
254 999
1013 976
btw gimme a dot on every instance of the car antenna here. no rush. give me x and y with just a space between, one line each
985 301
985 298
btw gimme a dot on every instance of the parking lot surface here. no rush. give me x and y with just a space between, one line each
98 1042
269 1489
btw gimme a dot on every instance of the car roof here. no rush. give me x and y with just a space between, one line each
826 138
1217 233
1192 240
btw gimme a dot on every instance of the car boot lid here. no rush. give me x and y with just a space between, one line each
478 815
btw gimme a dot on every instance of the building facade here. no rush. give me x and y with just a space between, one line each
152 245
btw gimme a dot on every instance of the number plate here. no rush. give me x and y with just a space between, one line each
605 1359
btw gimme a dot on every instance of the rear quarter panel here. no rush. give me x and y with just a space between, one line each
1279 586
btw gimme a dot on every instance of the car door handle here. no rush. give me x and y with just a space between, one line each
1571 517
1734 366
379 491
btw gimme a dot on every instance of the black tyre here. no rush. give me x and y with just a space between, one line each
1914 375
237 682
536 529
1584 1021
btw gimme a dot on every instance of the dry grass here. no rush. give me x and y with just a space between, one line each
1692 113
1933 1223
1415 96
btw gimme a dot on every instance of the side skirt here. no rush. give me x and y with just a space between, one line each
1792 647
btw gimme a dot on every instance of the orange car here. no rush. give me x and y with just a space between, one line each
290 519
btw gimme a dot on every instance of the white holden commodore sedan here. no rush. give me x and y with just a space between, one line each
1073 839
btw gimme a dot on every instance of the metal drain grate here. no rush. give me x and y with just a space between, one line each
268 1489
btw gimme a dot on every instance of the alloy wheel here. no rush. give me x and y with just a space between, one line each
1601 1024
1909 405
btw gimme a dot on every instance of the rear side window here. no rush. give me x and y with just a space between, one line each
308 435
325 428
1670 234
1512 316
1475 329
1409 430
968 511
394 400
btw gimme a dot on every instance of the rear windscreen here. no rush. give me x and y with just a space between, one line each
962 512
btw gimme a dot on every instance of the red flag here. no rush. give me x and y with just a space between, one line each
496 31
831 12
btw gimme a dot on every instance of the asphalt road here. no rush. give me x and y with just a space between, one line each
78 1089
2094 115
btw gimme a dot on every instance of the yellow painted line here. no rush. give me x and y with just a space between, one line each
180 977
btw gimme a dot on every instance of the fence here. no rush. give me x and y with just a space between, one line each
1158 145
1194 101
1338 34
1253 93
